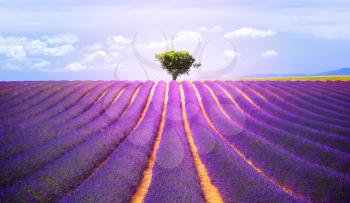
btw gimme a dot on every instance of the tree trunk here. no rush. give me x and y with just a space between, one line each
174 75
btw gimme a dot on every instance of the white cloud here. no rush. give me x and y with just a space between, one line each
93 47
202 29
98 60
249 32
118 43
187 36
42 64
230 54
16 52
74 67
119 39
22 47
154 46
187 40
215 29
59 51
269 53
61 39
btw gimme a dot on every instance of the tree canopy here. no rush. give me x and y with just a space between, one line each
177 62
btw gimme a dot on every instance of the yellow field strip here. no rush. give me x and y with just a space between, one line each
301 78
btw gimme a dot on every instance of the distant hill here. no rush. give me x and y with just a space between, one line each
342 71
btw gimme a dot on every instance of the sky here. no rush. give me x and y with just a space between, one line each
117 40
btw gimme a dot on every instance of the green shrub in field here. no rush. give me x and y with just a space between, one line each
177 62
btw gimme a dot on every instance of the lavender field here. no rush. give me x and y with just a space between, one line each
210 141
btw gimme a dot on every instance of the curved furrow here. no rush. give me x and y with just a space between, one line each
284 169
294 143
252 106
89 154
63 105
94 97
101 111
42 134
235 175
252 112
8 86
174 175
25 163
211 192
46 104
26 97
31 93
13 123
338 88
44 100
28 138
123 170
281 100
265 104
343 85
329 92
311 98
18 96
295 98
327 98
17 90
93 102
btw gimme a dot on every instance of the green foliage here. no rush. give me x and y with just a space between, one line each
177 62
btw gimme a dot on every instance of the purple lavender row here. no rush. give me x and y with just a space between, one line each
299 100
317 93
13 88
26 96
58 177
306 106
20 94
330 97
26 139
268 106
337 88
270 129
64 103
42 134
43 105
105 111
174 177
235 179
97 101
271 116
309 96
100 97
46 98
28 93
12 123
118 177
13 133
25 163
289 106
301 177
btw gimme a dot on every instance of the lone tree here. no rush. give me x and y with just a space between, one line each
177 62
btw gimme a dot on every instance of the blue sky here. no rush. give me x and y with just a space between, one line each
55 40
